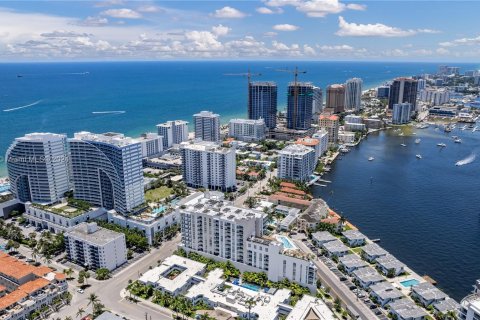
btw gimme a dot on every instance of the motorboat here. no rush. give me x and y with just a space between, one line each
443 145
418 156
457 140
417 141
403 145
371 159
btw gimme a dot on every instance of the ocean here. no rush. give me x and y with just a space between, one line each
60 97
425 211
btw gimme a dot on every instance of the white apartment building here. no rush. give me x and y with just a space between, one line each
470 305
421 84
247 129
59 217
37 165
89 245
296 162
313 143
152 144
215 228
353 119
173 132
401 113
436 97
207 126
322 136
354 126
353 94
208 165
106 170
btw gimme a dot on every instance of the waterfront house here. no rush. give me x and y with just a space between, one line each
385 293
390 266
367 277
313 215
446 305
352 262
406 309
427 294
371 252
335 248
354 238
321 237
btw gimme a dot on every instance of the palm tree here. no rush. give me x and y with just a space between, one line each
35 253
452 315
92 300
80 312
250 303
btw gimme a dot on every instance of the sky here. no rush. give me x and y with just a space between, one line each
240 30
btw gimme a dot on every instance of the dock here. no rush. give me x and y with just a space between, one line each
429 279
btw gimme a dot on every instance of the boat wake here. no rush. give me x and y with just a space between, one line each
108 112
22 107
467 160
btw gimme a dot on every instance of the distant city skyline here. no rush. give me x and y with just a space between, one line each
241 30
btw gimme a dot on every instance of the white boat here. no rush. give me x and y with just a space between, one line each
475 129
403 145
441 145
457 140
371 159
418 156
417 141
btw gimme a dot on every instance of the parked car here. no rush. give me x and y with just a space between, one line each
80 290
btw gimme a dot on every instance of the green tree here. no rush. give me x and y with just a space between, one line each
80 312
250 302
92 300
102 274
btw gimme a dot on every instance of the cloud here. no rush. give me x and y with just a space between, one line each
108 3
374 30
265 10
123 13
220 30
93 22
308 50
285 27
63 34
270 34
316 8
336 48
442 51
229 13
461 42
149 9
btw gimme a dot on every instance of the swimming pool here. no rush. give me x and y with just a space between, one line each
159 210
287 243
409 283
247 285
4 187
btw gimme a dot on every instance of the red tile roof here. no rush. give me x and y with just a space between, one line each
11 298
33 286
288 185
329 117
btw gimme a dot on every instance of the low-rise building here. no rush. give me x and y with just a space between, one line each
385 293
352 262
354 126
346 137
60 217
371 252
446 305
406 309
322 237
175 275
247 129
390 266
310 308
285 210
335 248
427 294
89 245
313 215
367 277
288 221
354 238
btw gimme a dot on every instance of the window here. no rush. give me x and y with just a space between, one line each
294 271
284 268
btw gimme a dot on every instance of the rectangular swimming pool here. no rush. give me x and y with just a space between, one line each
409 283
287 243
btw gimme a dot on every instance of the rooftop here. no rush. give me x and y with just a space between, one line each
208 114
307 141
373 249
112 138
310 308
295 149
368 274
208 146
65 209
317 210
385 290
329 117
390 262
407 309
174 122
335 246
428 291
352 261
323 236
41 137
352 235
92 233
446 305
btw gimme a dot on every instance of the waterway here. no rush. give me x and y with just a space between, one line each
425 211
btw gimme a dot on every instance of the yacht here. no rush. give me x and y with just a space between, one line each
441 145
371 159
457 140
475 129
418 156
417 141
403 145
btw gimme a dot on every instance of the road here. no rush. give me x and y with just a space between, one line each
255 188
338 289
109 291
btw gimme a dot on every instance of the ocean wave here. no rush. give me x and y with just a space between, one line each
467 160
22 107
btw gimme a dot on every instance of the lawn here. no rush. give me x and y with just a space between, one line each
158 193
357 250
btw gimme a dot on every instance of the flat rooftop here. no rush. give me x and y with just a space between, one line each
353 235
407 309
63 209
113 138
90 232
207 146
428 291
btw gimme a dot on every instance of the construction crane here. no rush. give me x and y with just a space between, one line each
295 72
249 76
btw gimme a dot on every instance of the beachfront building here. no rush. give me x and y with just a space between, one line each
89 245
59 217
207 165
296 162
353 94
401 113
331 124
106 170
470 305
25 288
215 228
173 132
37 165
207 126
299 105
403 90
322 137
262 102
421 84
247 130
335 98
152 144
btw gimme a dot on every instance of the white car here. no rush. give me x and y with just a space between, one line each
80 291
